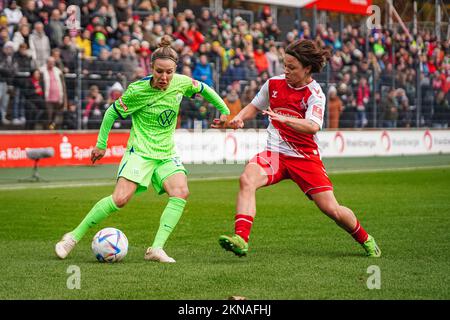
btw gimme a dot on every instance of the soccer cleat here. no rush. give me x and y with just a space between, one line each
371 247
235 244
158 254
64 246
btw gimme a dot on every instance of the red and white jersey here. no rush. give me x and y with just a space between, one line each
307 102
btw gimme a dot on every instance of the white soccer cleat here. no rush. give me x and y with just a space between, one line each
158 254
64 246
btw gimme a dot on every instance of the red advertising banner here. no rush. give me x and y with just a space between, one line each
344 6
69 148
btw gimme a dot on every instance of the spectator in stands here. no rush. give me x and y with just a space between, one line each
68 51
83 42
4 36
56 54
139 73
29 11
55 93
144 59
233 103
405 114
13 14
205 21
24 65
195 36
56 28
235 72
153 36
101 69
250 70
21 36
261 62
39 44
70 117
362 101
441 111
116 70
275 63
348 115
214 34
99 44
203 71
8 68
182 33
107 16
123 12
390 110
93 110
128 60
335 108
23 59
35 102
114 93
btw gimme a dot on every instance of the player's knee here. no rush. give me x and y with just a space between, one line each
181 192
121 200
247 182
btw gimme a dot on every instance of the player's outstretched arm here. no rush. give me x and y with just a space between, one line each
102 140
212 97
299 125
249 112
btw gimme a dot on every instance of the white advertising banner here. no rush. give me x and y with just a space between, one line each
214 146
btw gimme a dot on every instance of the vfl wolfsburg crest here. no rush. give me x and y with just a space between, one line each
179 97
166 118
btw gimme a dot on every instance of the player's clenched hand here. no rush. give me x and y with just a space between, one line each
236 123
97 154
219 123
275 116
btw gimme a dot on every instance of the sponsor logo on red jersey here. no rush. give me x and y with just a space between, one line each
288 113
317 112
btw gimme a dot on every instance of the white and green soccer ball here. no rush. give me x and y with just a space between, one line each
110 245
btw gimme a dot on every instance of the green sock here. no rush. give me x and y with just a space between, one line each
98 213
168 221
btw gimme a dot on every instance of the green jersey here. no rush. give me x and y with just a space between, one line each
154 114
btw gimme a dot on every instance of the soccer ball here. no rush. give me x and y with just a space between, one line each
110 245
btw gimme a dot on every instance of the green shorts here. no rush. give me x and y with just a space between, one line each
144 171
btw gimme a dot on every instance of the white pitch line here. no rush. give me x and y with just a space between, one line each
17 186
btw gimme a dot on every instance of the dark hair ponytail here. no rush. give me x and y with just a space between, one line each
309 53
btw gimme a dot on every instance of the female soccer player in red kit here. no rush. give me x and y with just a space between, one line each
295 105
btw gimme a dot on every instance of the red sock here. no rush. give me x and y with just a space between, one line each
359 234
243 225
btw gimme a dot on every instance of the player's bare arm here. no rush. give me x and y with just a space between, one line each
249 112
300 125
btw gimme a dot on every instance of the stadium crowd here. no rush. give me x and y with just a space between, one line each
43 58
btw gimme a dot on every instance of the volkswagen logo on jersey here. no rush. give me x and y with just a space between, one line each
166 117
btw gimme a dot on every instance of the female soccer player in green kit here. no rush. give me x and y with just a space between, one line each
150 158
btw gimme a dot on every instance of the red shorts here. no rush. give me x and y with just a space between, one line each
308 173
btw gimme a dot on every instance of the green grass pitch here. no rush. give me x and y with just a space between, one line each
296 252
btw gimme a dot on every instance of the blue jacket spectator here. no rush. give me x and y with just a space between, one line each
235 72
203 71
99 44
